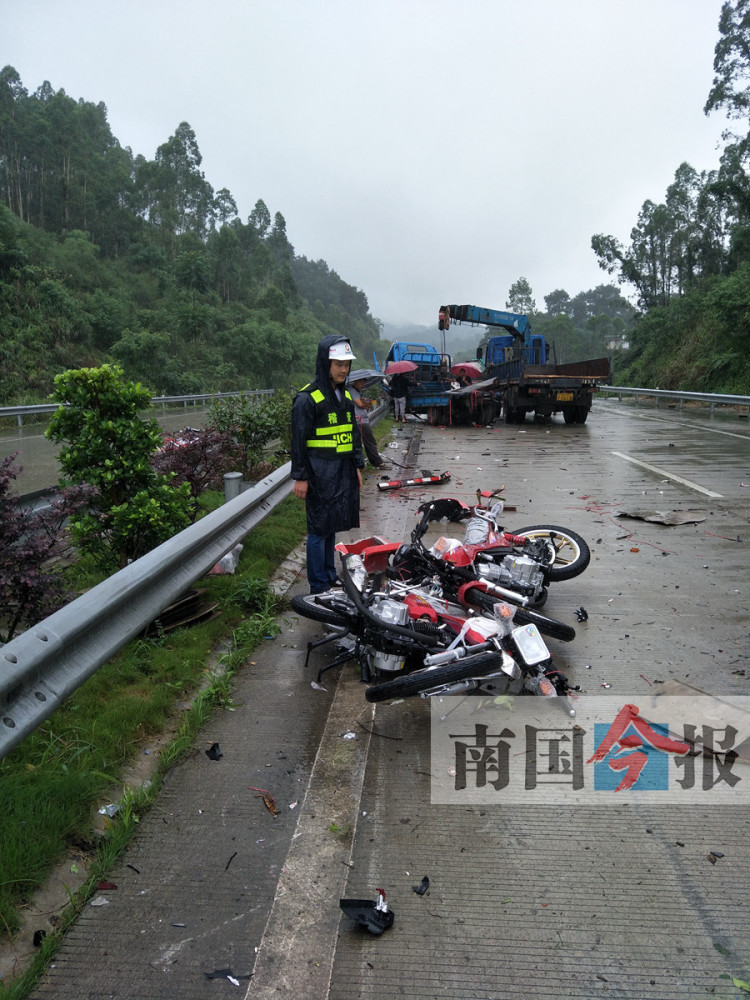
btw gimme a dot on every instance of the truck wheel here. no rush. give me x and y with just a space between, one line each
575 414
572 554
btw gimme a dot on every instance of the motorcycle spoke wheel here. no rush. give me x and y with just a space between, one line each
485 602
572 554
409 684
334 610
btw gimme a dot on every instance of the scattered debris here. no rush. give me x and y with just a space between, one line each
226 974
670 517
269 800
397 484
582 614
226 866
423 887
99 901
372 915
39 936
716 854
111 810
213 752
228 563
103 886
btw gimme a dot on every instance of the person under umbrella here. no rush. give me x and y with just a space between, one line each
361 407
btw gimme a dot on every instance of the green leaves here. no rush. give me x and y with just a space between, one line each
106 444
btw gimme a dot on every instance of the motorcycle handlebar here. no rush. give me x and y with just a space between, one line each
457 653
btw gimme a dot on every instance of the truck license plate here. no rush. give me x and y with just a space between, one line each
565 397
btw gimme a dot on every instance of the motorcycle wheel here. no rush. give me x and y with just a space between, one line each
572 554
335 613
409 684
483 601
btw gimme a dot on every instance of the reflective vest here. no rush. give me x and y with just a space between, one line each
333 429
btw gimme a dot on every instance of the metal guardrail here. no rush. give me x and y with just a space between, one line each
712 398
43 666
194 399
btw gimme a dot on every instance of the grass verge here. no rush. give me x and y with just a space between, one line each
52 785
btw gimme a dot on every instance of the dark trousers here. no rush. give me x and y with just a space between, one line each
370 445
321 562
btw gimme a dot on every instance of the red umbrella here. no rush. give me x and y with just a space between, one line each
396 367
468 369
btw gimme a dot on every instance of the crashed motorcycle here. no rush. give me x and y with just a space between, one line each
409 640
491 564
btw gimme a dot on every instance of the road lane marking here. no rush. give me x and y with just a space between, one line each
669 475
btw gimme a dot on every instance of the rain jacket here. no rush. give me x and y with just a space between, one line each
318 418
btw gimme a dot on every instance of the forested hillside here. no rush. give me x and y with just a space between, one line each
108 256
688 260
105 255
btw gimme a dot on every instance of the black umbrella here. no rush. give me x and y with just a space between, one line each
367 373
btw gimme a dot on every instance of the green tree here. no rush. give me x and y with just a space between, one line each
107 445
520 297
730 90
557 302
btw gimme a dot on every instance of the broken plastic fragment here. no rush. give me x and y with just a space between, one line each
372 915
233 978
213 752
423 886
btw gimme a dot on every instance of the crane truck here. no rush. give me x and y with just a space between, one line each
524 377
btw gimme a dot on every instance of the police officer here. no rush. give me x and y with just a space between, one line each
327 458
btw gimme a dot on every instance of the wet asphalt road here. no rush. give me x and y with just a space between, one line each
524 901
37 456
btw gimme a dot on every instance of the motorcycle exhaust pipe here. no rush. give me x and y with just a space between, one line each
509 595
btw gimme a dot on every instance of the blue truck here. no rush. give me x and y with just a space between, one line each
437 394
524 378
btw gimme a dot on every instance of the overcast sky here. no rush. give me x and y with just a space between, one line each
429 150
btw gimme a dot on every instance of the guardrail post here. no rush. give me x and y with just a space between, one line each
232 485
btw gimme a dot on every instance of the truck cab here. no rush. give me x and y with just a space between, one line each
431 365
533 349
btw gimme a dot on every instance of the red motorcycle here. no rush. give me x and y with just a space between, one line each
409 640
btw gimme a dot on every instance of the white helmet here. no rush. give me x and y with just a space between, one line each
341 351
